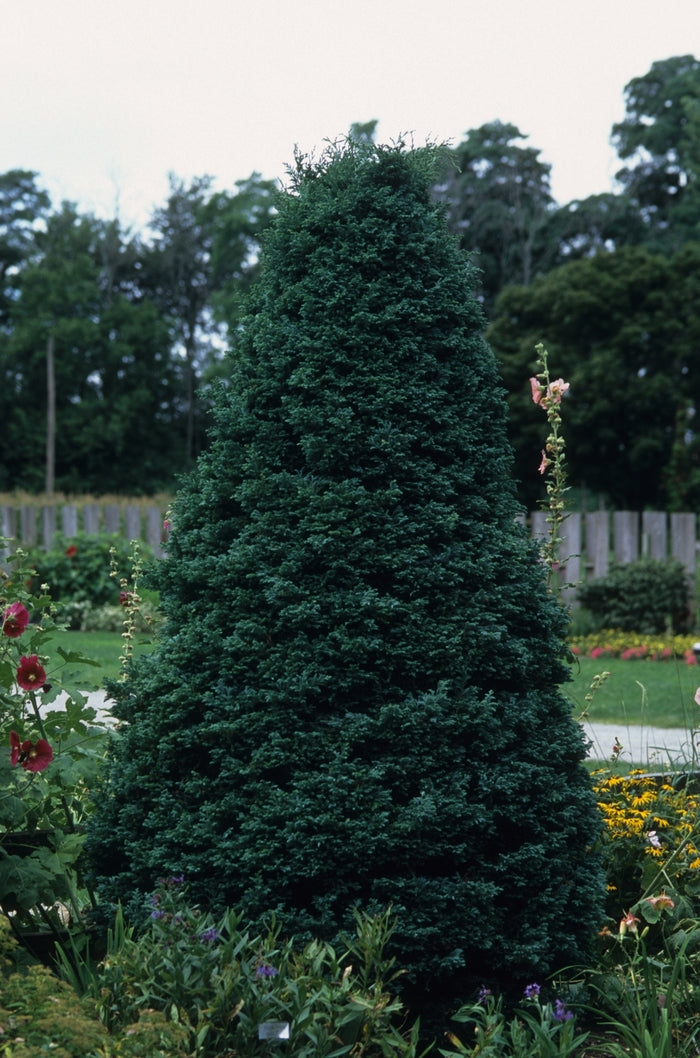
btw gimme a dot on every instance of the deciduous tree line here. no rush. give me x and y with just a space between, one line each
139 323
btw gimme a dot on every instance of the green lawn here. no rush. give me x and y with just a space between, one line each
650 693
104 647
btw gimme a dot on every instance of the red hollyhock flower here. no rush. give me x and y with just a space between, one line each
31 674
71 551
33 756
14 620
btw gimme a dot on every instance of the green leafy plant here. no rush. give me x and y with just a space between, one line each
536 1030
648 596
643 990
651 836
78 572
40 1014
52 756
235 992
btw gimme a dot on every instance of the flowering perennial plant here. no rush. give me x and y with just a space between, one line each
651 837
52 756
548 393
224 985
628 646
536 1029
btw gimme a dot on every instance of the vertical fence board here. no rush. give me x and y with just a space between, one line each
538 525
597 543
69 519
91 518
683 547
132 523
626 536
48 525
8 526
654 534
154 530
113 518
7 530
27 525
571 556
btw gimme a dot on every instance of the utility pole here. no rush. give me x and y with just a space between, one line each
50 417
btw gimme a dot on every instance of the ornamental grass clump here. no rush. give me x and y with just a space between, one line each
355 701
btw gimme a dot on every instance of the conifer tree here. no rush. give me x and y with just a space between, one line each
355 700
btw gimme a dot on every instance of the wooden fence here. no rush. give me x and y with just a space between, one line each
31 525
591 540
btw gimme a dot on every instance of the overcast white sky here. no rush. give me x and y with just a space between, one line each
104 97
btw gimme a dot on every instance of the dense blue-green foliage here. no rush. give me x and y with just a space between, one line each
355 700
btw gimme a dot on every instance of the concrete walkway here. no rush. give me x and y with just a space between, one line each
97 700
656 746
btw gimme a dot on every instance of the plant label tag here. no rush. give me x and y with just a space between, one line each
273 1030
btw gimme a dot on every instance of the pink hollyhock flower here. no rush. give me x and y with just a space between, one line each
537 390
14 620
545 462
33 756
31 674
690 659
556 390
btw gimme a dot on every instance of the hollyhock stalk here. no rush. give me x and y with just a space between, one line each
548 394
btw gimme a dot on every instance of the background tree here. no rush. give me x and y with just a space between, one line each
116 389
238 222
23 205
659 139
585 227
355 700
623 329
498 202
200 259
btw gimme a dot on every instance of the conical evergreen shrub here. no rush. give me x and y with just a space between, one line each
355 701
